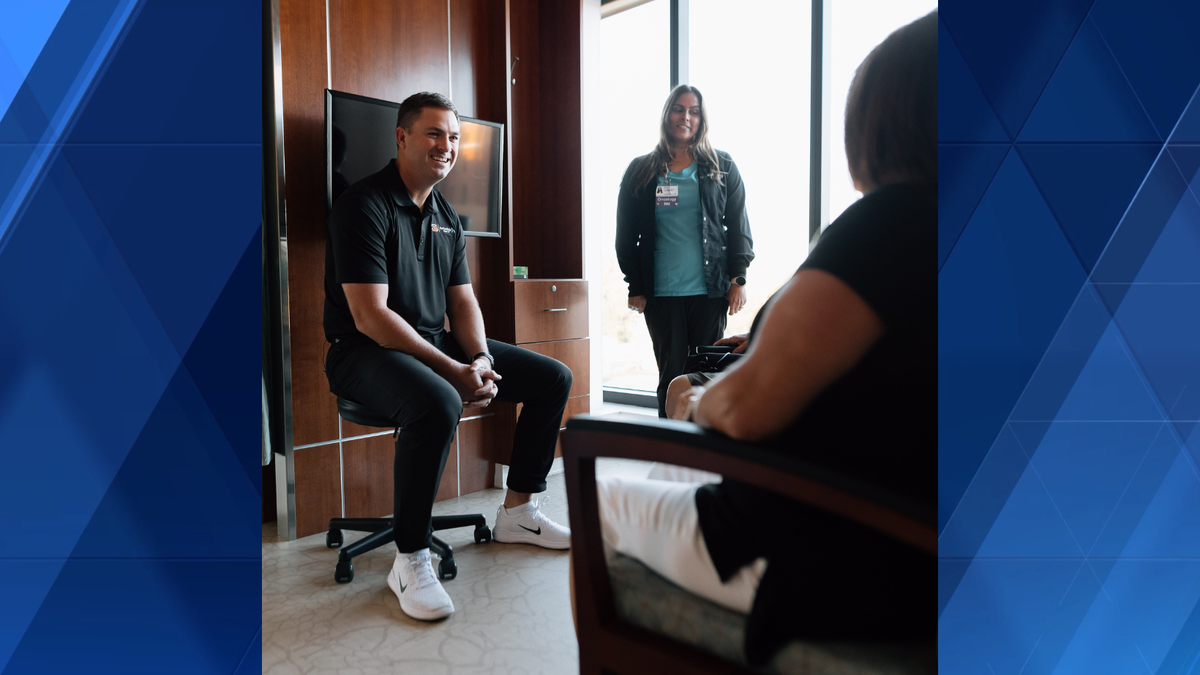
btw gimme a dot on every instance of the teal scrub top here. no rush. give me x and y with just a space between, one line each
678 251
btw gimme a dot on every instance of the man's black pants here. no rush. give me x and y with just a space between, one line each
427 408
677 323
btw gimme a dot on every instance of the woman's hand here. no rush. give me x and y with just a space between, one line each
637 302
740 342
737 299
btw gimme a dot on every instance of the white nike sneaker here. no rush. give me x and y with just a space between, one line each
421 594
526 524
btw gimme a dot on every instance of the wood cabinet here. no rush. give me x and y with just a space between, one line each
551 319
550 310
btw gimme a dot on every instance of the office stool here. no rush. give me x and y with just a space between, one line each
381 528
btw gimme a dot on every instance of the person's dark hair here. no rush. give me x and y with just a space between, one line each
655 164
412 106
891 110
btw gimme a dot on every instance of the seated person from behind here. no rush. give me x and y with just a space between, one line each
840 372
395 269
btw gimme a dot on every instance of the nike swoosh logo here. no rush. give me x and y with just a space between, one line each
403 587
537 531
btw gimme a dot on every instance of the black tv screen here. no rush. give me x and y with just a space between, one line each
360 139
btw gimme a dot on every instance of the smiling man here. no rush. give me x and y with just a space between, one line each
395 270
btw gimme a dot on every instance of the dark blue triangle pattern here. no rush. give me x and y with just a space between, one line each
1069 385
1068 174
963 112
1088 98
129 295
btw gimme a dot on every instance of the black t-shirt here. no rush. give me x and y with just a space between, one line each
876 423
377 235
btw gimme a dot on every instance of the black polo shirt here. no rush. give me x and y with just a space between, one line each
377 235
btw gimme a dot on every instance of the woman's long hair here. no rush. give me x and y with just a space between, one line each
655 164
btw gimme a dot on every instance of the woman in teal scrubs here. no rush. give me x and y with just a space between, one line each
683 239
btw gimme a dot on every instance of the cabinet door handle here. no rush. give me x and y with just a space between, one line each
557 310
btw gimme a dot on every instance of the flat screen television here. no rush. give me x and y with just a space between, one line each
360 139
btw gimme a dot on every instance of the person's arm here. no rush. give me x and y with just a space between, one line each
738 342
739 244
373 318
466 321
627 239
817 329
466 324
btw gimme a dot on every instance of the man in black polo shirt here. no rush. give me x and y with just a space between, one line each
395 268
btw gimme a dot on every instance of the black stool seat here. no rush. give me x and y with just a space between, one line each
358 413
381 528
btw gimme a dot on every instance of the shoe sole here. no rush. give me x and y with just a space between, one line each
522 538
433 615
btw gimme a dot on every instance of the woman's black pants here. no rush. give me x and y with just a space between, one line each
676 324
427 408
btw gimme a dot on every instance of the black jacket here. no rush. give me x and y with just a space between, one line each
728 247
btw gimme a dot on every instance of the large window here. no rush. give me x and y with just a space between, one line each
635 78
856 26
752 59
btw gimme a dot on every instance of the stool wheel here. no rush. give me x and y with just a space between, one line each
447 569
344 573
333 538
482 534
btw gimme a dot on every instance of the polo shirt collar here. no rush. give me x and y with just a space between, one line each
400 191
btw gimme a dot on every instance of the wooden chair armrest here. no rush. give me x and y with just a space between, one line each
684 444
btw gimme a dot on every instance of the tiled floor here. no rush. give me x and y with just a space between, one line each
512 607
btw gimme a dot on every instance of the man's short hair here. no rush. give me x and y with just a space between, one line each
891 112
412 106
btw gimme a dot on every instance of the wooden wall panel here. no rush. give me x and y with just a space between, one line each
318 479
579 405
302 53
478 59
389 50
560 235
547 138
487 261
368 476
478 439
468 38
528 113
505 422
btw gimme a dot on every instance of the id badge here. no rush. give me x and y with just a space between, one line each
666 195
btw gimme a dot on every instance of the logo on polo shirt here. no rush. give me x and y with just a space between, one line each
443 228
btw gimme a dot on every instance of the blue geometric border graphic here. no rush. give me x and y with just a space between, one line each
1069 337
130 248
